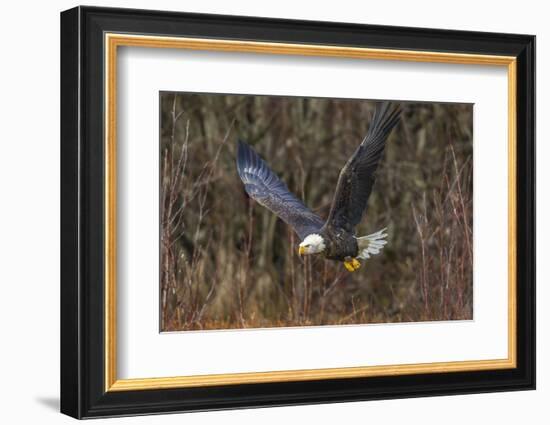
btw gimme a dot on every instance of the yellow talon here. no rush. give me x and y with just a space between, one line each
349 266
355 263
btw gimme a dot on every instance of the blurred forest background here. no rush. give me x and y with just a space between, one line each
227 262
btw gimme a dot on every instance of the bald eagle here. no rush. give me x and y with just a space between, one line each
334 238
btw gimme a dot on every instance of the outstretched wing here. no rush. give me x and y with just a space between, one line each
357 177
267 189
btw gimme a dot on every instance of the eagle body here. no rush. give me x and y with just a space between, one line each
334 237
339 244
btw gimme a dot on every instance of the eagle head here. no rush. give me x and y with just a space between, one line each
312 244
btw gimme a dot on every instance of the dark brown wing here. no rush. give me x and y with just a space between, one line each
357 177
268 190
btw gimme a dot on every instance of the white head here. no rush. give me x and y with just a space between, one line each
312 244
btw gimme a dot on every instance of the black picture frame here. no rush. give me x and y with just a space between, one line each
83 392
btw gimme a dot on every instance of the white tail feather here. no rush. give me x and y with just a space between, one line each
372 244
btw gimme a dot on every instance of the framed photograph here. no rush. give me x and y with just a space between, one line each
261 212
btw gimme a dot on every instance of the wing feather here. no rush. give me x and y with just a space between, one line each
357 177
263 185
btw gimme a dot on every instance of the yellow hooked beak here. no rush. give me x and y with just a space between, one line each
302 250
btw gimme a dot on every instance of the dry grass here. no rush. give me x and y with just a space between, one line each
226 262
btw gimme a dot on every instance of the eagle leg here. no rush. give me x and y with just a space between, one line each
349 267
351 264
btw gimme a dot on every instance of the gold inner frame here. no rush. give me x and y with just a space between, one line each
113 41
